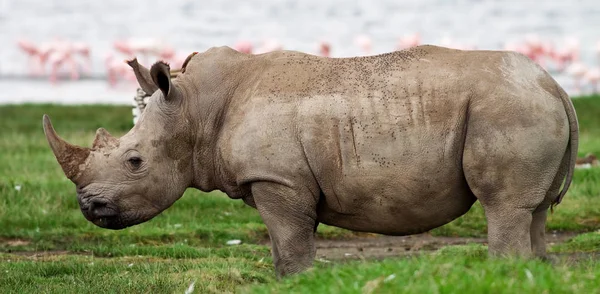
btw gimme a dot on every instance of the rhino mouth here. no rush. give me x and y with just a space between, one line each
104 218
109 217
115 222
107 222
100 212
106 214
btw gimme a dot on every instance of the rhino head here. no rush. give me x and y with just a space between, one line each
125 181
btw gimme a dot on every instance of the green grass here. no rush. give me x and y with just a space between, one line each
187 242
587 242
133 274
455 269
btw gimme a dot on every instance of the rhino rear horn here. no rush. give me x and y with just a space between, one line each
143 77
104 139
69 156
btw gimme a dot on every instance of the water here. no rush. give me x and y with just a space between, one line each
298 25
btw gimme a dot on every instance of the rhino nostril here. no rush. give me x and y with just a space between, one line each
96 206
100 208
96 203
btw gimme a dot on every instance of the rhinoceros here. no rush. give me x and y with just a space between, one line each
395 144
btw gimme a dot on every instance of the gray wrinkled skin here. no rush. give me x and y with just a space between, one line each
395 144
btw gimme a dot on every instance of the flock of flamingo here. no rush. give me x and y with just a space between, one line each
73 59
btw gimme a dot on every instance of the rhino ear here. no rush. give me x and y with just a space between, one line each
142 75
161 75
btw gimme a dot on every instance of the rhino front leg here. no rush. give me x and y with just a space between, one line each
290 217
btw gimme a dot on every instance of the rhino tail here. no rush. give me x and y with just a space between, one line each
573 145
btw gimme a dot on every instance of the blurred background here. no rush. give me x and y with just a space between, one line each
73 51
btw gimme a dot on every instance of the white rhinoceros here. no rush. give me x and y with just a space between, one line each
396 144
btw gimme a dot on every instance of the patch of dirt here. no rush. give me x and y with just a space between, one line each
15 246
14 242
363 246
378 247
49 253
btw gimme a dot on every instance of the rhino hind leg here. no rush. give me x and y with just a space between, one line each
509 231
515 213
538 223
513 173
538 232
290 217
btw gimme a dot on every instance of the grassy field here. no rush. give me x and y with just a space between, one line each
186 244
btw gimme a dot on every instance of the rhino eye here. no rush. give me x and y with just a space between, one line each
135 162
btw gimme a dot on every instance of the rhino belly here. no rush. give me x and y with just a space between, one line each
394 210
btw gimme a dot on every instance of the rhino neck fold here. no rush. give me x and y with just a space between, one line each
215 85
204 168
207 115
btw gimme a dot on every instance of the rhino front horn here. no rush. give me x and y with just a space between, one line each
68 156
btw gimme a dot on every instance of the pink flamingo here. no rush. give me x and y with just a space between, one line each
166 54
409 41
563 58
169 56
243 46
577 70
124 47
57 59
63 53
593 76
324 49
36 66
117 69
83 50
512 46
57 53
535 49
142 48
597 50
269 46
449 43
567 54
364 43
40 53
